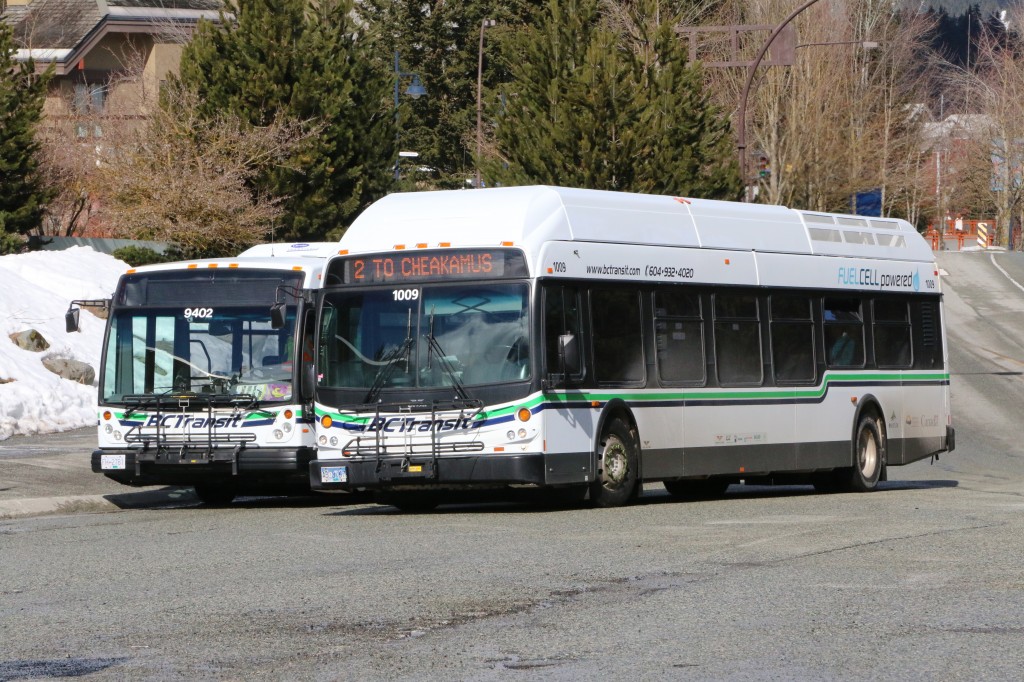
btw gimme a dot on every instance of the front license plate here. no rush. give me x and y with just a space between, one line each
334 475
112 462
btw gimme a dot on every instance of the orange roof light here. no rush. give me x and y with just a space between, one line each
445 245
507 243
421 246
399 247
342 252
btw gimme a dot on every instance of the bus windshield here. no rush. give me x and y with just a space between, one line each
215 344
426 337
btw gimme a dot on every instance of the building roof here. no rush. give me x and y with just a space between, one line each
64 31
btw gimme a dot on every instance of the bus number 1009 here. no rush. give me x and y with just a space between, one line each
406 294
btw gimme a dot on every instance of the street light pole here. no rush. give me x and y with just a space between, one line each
741 114
484 23
415 90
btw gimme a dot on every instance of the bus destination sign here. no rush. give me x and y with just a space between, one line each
439 265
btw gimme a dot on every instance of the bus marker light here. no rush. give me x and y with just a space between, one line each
107 415
595 403
421 246
499 449
131 271
445 245
726 261
342 252
399 247
192 266
287 414
507 243
523 414
743 469
211 265
326 422
853 399
550 271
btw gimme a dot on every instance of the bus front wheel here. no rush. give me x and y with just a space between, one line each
617 462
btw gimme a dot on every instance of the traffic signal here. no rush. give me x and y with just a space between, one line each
764 171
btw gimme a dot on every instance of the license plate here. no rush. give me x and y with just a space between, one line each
334 475
112 462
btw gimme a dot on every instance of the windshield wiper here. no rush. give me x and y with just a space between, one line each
434 348
390 361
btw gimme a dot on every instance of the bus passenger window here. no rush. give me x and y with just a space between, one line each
737 339
792 339
618 335
844 332
892 333
679 337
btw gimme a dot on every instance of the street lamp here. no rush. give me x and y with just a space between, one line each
741 114
484 23
414 90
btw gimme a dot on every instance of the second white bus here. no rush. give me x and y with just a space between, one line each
591 341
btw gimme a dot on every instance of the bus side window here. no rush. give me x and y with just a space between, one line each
844 332
561 317
618 335
792 339
892 333
737 339
679 336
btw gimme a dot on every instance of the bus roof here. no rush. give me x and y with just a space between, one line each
309 257
530 216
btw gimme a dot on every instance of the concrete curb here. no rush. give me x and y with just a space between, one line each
77 504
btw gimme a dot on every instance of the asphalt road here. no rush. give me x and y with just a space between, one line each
921 580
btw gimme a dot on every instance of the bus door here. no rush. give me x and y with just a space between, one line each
568 421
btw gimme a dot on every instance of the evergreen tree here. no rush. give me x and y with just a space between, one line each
440 44
288 59
588 107
22 92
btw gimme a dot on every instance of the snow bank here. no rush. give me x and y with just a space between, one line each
35 290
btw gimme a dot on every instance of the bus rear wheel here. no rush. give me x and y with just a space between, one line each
617 463
868 459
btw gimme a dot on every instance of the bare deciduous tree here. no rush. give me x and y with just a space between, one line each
986 159
187 180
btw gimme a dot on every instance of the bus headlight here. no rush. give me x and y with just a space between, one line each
334 441
287 427
322 440
278 434
108 429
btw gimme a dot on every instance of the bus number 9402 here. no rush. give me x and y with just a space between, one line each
406 294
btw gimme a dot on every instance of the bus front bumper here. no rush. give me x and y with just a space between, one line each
448 471
177 467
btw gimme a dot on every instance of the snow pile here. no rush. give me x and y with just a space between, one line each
35 290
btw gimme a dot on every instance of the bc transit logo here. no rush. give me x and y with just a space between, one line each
870 278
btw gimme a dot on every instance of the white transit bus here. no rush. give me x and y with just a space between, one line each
592 341
200 381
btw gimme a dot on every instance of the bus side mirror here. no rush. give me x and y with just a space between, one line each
71 319
569 354
307 381
277 315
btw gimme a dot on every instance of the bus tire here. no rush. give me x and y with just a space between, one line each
868 458
215 494
615 482
696 489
